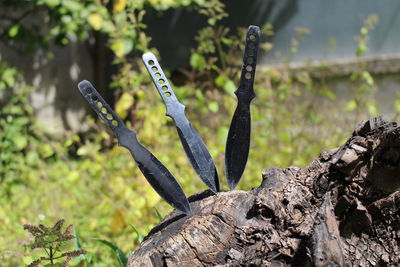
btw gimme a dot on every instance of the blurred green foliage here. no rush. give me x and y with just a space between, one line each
89 181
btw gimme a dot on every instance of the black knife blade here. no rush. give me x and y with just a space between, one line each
195 149
155 172
238 141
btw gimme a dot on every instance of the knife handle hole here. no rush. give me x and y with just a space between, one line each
151 62
161 81
247 75
99 104
89 90
154 68
109 116
167 94
95 98
104 110
252 37
165 88
249 68
114 122
158 75
250 60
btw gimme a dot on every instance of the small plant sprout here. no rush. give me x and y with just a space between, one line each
52 241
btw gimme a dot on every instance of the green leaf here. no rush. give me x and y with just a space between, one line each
77 242
368 78
363 31
128 45
397 105
21 121
222 133
69 142
32 158
107 26
73 6
351 105
64 41
211 21
227 41
362 48
139 236
221 80
373 110
266 46
124 103
285 137
213 106
197 61
160 217
13 31
20 141
122 47
95 20
118 252
230 87
9 76
199 95
50 3
46 151
119 5
77 245
82 151
328 93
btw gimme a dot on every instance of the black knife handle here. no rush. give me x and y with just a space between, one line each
174 107
238 141
163 182
100 106
245 92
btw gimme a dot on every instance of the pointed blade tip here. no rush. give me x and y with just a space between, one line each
212 184
187 210
232 181
214 189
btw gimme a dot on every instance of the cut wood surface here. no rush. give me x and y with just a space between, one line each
341 210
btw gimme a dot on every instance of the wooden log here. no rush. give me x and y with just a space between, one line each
341 210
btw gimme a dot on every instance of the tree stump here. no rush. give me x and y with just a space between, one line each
341 210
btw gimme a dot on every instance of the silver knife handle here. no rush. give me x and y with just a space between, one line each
246 90
163 87
100 106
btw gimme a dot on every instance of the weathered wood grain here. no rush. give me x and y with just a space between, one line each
341 210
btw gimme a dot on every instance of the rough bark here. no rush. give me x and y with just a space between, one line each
341 210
